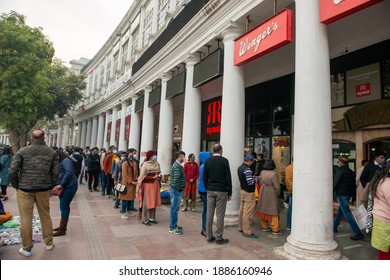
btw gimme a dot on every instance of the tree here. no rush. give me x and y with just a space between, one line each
33 87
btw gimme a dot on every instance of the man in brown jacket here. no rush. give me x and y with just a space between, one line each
33 172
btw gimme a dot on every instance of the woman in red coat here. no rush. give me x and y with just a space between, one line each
191 170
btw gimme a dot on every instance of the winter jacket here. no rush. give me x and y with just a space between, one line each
177 177
289 177
117 170
93 163
34 168
67 177
269 193
203 156
79 161
5 162
191 170
368 173
245 176
344 181
108 164
217 176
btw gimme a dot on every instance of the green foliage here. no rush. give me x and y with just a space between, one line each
33 86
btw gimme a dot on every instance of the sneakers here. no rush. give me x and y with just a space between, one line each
125 216
49 247
153 221
193 209
212 239
266 229
285 205
183 209
222 241
288 229
26 253
277 233
358 237
147 224
252 235
176 231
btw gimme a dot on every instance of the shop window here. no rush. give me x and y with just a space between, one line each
344 149
258 130
377 146
281 128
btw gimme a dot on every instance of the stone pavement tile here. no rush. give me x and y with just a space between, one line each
157 251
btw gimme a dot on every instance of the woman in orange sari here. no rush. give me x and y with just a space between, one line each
149 186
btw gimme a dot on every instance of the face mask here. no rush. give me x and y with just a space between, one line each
95 153
134 156
154 158
114 151
193 159
88 153
123 158
131 157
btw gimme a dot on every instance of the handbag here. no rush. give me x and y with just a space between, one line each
57 191
121 188
360 215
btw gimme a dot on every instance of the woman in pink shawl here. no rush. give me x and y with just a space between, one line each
149 186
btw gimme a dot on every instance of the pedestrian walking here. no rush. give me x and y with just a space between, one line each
177 183
129 178
5 164
203 156
248 199
218 182
380 190
33 172
268 204
149 188
68 182
344 185
191 171
93 163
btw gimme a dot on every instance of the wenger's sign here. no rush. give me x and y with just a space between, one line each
268 36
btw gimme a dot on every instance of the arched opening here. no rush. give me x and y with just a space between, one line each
379 144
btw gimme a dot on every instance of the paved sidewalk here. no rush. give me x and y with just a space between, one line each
96 231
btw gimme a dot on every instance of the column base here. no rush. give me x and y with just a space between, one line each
231 219
297 250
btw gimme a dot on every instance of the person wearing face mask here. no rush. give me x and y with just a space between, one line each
191 170
133 157
108 161
129 177
93 164
148 188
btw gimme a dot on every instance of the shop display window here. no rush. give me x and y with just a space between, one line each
344 149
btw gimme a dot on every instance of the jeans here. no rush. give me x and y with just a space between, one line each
344 210
175 205
126 206
93 175
109 185
289 211
103 179
66 199
204 212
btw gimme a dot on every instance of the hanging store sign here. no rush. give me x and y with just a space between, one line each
117 130
267 37
211 119
333 10
109 126
127 127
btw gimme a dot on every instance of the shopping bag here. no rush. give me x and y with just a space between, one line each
360 215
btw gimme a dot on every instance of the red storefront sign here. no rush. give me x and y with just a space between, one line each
109 126
267 37
363 90
117 130
333 10
127 127
214 117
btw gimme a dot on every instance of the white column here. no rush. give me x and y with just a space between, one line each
65 139
312 219
83 134
147 125
89 133
94 132
135 127
192 111
122 141
74 135
100 132
141 28
233 118
78 137
106 142
113 126
59 136
165 131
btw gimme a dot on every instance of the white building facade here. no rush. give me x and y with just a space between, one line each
178 75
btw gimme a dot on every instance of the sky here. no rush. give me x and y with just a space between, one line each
77 28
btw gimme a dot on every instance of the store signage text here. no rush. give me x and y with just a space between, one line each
363 90
109 126
281 142
333 10
268 36
214 118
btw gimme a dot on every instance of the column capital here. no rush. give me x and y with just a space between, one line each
192 59
126 102
148 88
232 31
68 120
165 76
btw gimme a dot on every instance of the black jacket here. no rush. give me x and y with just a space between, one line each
368 173
216 175
344 183
79 162
93 163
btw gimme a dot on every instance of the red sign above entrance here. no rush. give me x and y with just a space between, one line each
268 36
332 10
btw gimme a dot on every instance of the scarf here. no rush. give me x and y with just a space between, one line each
370 206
